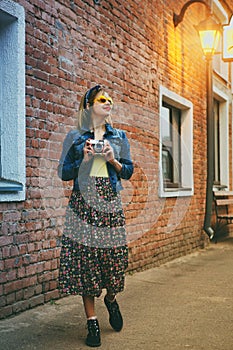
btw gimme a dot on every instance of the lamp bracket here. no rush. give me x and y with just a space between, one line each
179 18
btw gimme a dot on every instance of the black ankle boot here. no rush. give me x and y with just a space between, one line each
115 318
93 336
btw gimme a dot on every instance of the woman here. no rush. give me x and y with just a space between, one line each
94 252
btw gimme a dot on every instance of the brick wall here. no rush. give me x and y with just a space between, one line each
131 47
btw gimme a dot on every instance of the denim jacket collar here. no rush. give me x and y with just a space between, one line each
109 129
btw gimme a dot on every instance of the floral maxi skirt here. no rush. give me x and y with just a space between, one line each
94 252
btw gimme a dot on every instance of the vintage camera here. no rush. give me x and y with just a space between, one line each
98 145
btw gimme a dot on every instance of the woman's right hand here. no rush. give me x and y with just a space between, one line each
88 151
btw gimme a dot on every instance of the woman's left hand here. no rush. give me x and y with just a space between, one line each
108 152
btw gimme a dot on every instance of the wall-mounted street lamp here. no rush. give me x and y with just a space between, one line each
209 32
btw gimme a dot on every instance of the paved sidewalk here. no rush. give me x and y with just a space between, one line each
184 305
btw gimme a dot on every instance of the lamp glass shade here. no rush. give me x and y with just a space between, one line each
209 41
209 32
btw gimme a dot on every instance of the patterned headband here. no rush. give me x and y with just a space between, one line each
88 94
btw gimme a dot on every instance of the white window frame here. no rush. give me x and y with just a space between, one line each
186 108
223 100
220 67
12 101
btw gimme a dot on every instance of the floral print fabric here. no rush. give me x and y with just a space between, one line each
94 253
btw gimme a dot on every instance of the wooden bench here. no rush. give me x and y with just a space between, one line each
223 201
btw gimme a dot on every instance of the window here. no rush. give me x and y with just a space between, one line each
221 138
176 144
216 143
170 132
221 68
12 101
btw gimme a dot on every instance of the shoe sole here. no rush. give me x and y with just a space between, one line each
93 345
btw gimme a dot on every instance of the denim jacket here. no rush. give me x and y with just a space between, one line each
71 166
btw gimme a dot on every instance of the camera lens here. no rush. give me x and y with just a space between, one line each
98 147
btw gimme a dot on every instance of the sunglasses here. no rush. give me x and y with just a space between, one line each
104 99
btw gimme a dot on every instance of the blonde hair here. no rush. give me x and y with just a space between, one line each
84 114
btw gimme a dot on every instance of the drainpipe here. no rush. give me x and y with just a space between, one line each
210 149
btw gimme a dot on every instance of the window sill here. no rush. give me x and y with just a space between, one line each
176 192
10 186
177 189
222 76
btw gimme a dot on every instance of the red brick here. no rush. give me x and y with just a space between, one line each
51 295
13 286
21 272
6 311
11 216
10 299
11 275
20 306
46 276
3 277
13 263
19 295
31 270
6 252
5 240
14 250
46 254
2 301
37 300
22 249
